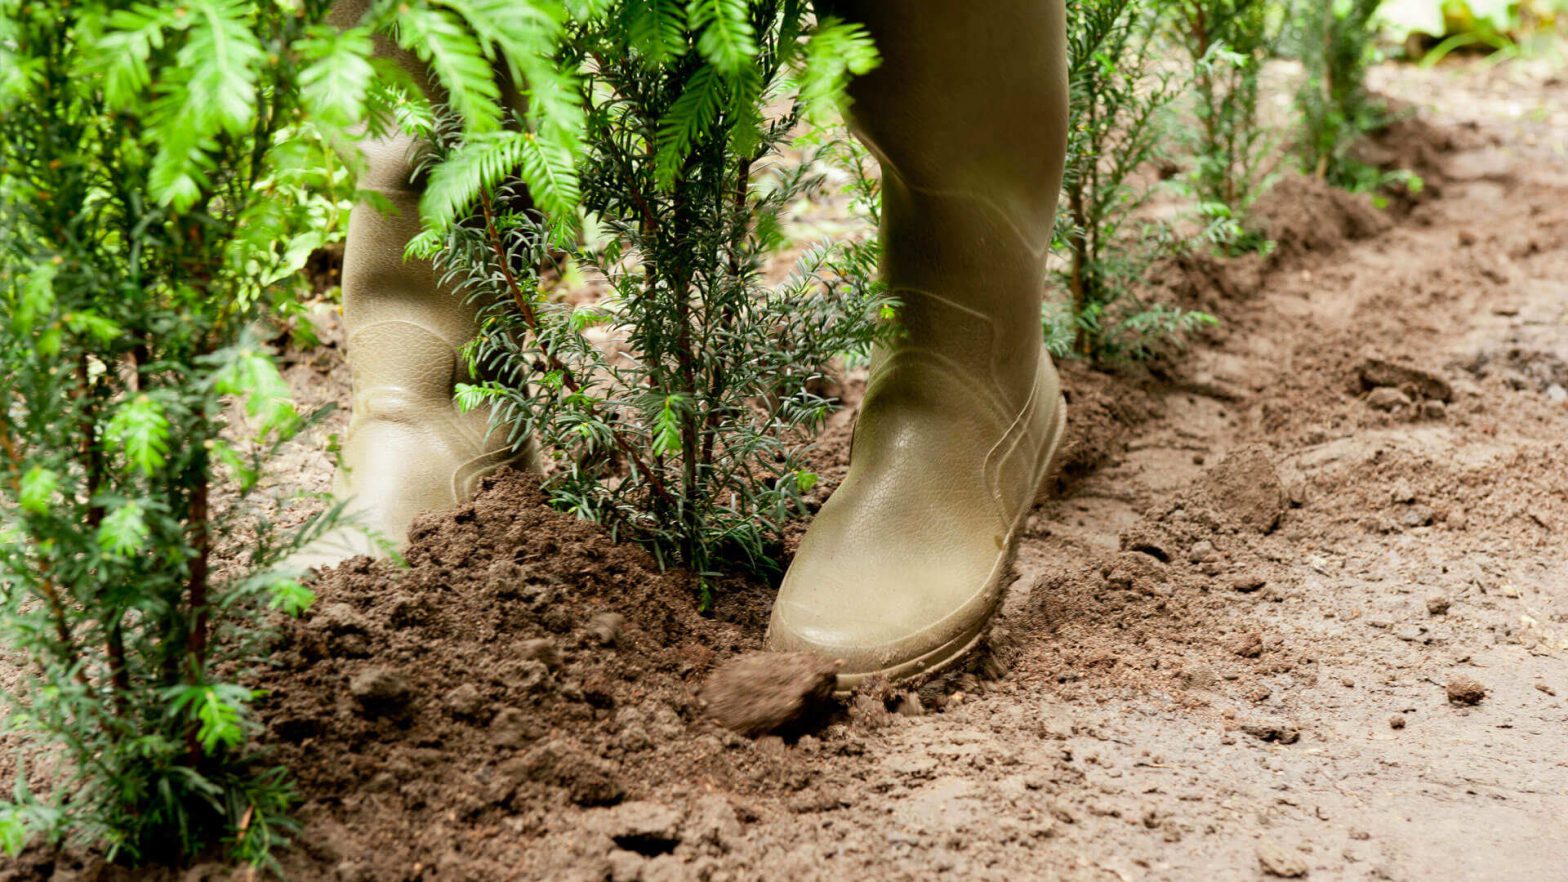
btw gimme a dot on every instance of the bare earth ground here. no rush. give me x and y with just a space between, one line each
1241 644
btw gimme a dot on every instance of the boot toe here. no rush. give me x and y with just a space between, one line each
898 646
887 593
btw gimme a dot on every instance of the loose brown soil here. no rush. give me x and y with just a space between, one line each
1300 610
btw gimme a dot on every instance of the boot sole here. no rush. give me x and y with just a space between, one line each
949 653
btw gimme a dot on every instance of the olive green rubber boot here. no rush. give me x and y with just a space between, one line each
905 565
408 449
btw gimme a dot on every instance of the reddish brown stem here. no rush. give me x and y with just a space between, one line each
531 319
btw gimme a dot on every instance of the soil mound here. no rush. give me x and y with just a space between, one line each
1411 143
1102 409
1304 215
521 663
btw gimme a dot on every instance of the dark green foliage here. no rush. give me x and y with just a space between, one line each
156 176
1117 128
1226 43
1336 43
693 441
161 167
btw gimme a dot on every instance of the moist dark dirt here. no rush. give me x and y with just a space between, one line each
1299 609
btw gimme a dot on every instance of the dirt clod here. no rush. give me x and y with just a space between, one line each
1464 690
1376 373
1246 487
463 701
1388 399
647 828
513 727
345 631
605 628
1272 731
587 780
1438 606
1277 861
380 691
542 650
1307 215
766 691
1397 721
1249 645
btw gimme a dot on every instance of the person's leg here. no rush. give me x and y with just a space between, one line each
408 450
905 565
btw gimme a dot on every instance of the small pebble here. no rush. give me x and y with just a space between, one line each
1248 584
1387 399
1417 516
1438 606
1397 721
1402 492
1273 731
542 650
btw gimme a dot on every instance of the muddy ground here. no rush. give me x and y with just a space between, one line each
1299 610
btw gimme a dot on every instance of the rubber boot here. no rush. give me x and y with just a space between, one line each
408 449
905 565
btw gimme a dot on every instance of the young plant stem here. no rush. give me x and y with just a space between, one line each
531 319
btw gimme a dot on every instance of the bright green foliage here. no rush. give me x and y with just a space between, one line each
694 443
1117 125
165 171
1507 28
1336 43
157 170
1226 42
463 42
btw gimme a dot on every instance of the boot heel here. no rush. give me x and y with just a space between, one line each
1043 489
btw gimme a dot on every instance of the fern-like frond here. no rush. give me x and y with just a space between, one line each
515 27
688 118
835 50
337 79
439 38
222 57
656 29
724 34
480 164
131 37
551 175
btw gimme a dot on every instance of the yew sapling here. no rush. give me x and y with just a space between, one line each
159 171
693 438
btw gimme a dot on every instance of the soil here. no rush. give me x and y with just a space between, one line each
1299 610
